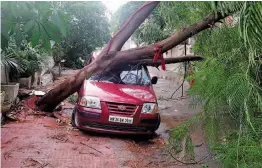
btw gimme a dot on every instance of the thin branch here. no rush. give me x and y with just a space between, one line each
149 62
186 163
90 147
185 73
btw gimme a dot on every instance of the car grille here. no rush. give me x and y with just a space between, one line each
127 109
117 127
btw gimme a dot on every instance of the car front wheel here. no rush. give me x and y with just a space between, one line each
74 119
158 122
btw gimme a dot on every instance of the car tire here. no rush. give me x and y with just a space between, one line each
158 122
73 118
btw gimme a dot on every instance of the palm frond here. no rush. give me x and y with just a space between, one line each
11 62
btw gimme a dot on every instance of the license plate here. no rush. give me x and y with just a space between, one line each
117 119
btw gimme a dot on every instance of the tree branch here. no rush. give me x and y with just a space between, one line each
149 62
133 22
167 44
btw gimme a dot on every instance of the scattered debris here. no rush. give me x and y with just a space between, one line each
163 107
37 93
7 154
61 137
147 146
62 119
74 148
29 162
23 93
86 152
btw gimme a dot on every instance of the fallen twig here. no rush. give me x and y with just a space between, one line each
186 163
9 141
7 154
164 108
198 145
90 147
177 98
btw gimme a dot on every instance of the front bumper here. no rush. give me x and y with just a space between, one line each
96 120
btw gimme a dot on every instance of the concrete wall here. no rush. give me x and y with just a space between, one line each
3 76
41 77
47 64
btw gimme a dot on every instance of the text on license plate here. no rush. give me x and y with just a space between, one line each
127 120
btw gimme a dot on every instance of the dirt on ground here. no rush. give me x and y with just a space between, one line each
41 140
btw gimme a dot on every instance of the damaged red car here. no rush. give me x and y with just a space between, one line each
120 101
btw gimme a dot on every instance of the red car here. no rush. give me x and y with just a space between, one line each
119 101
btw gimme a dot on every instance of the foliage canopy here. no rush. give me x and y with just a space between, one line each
35 22
76 28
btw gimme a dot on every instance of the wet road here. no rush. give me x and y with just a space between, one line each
41 141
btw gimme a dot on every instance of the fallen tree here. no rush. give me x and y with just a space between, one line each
112 56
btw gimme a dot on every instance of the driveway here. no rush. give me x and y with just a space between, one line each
41 141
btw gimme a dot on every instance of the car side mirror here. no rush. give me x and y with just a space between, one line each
154 80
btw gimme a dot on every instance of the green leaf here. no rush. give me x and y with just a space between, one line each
45 38
22 5
47 16
43 7
4 41
4 29
53 31
18 35
14 9
36 35
29 25
58 21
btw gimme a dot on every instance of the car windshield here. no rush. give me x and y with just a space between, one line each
129 75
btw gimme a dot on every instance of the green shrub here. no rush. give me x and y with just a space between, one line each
228 87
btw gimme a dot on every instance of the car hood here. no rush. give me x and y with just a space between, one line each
109 92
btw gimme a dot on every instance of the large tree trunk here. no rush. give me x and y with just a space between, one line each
111 56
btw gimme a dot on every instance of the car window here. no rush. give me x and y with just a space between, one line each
129 75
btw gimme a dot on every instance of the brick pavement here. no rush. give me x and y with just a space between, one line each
39 142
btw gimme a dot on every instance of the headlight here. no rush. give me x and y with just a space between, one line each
90 102
149 108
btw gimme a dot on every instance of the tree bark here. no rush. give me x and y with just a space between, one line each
110 57
149 62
